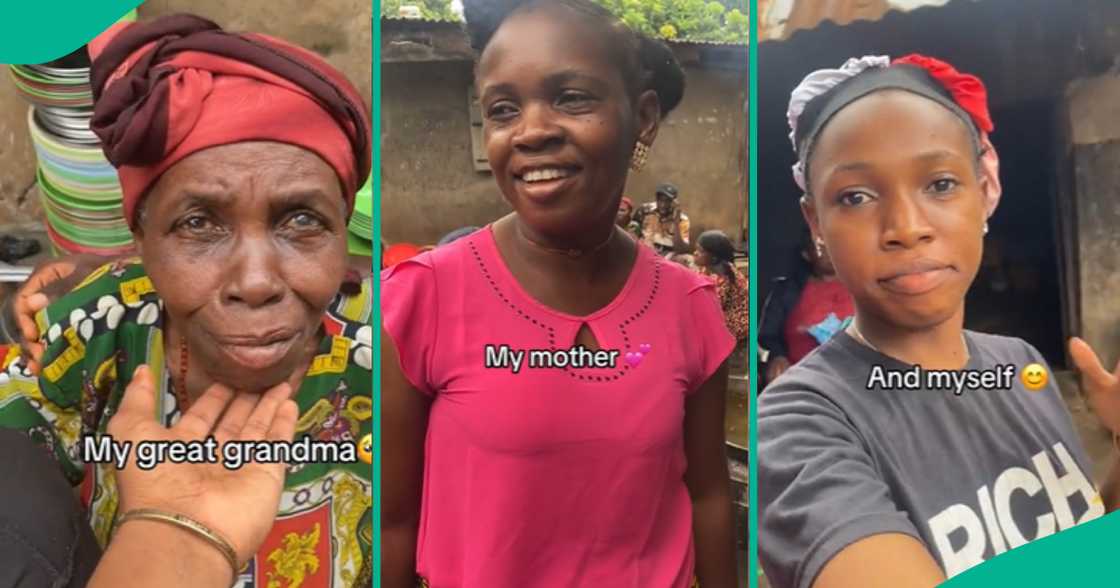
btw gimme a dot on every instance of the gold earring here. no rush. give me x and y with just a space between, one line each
638 159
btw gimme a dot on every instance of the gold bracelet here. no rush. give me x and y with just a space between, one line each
185 522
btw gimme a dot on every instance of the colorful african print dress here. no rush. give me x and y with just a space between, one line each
111 323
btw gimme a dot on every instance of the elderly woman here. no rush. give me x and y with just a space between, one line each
239 156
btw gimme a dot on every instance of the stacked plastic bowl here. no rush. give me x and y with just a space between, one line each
81 194
360 237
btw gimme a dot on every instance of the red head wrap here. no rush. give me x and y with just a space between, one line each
170 87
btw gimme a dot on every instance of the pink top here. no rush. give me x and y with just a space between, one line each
552 477
819 313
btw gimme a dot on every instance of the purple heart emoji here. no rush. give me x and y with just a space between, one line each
644 348
633 358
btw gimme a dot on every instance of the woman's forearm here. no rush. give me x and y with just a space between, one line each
398 556
713 527
152 553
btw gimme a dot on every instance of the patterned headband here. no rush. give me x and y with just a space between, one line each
964 94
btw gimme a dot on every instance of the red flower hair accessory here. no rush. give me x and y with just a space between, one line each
967 90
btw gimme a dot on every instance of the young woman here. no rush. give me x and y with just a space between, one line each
499 473
714 254
867 484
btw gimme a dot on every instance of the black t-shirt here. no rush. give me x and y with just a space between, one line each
970 475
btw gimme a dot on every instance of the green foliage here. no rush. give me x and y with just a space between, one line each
693 20
430 9
682 20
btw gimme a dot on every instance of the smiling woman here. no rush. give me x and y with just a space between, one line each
239 156
608 473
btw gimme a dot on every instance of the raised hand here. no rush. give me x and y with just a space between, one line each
1101 386
239 504
49 281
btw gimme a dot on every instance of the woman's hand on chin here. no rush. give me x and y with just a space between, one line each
239 504
1101 386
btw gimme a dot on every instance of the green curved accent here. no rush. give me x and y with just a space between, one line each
38 32
1074 557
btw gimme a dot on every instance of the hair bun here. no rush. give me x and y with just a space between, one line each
483 17
666 75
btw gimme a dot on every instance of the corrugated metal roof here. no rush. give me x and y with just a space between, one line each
780 19
443 21
421 19
687 41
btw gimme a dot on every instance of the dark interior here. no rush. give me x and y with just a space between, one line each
1025 53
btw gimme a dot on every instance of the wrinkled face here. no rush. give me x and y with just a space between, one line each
246 245
559 122
897 199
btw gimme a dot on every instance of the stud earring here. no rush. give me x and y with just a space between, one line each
641 153
985 227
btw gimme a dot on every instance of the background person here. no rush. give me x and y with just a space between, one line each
714 256
802 310
626 220
665 227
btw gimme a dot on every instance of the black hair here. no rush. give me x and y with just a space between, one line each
645 63
718 245
801 265
820 109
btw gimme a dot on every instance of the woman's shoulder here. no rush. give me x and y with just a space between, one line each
86 327
831 374
1003 348
442 259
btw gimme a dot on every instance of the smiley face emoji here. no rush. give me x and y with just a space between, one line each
1034 377
365 449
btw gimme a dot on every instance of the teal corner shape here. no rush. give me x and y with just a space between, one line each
375 129
38 32
1053 560
752 405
